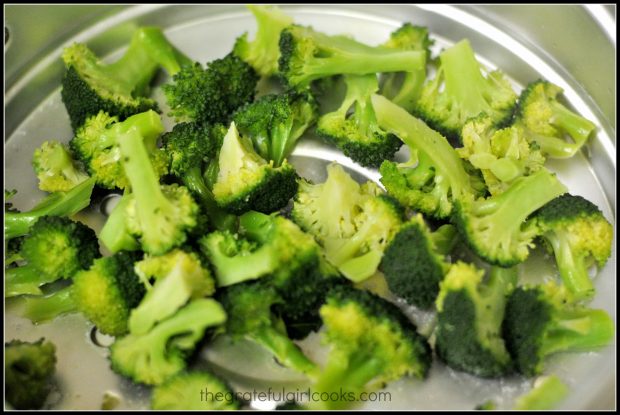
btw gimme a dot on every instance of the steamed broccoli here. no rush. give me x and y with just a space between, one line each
460 91
264 51
55 168
545 394
115 235
496 228
353 127
558 131
119 88
39 309
211 94
542 320
194 391
28 371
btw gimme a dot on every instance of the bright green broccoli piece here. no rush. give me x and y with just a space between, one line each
496 228
469 316
434 177
353 127
90 85
275 122
153 357
115 235
308 55
28 371
40 309
543 320
460 91
579 236
211 94
55 168
194 391
546 393
558 131
264 51
245 181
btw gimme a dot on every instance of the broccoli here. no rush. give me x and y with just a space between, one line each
353 126
55 248
199 391
545 394
550 124
543 320
115 235
307 55
153 357
179 276
246 182
264 51
211 94
413 264
460 91
434 177
275 122
28 371
469 317
39 309
55 168
579 236
496 228
371 343
96 144
90 86
17 224
501 155
403 88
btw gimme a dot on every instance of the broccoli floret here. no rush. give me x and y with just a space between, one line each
18 224
545 394
413 264
90 86
353 126
371 343
543 320
28 371
264 51
496 228
275 122
434 177
308 55
153 357
96 144
179 277
108 291
194 391
55 248
245 181
558 131
211 94
403 88
55 168
501 155
469 316
579 236
460 91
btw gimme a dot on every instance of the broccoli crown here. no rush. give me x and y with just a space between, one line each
470 313
496 228
412 265
263 52
275 122
179 276
579 235
246 182
307 55
108 291
55 168
180 393
542 320
558 131
460 91
211 94
28 369
353 126
153 357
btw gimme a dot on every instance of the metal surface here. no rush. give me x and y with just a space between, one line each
525 42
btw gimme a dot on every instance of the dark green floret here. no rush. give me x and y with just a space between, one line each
194 391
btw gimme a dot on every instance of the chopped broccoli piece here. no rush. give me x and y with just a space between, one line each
546 393
115 234
55 168
39 309
194 391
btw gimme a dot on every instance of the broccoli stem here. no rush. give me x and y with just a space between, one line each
147 124
195 182
24 280
161 50
40 309
578 330
285 351
114 234
575 125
